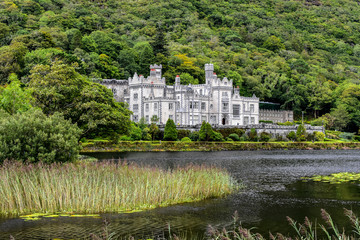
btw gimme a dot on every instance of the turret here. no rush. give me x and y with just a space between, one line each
209 71
155 70
177 80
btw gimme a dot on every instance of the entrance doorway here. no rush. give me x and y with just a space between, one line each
223 121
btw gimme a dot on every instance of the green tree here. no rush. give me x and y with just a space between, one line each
273 43
32 136
59 88
13 98
153 130
170 132
301 133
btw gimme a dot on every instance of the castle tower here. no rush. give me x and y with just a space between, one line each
177 80
155 70
209 72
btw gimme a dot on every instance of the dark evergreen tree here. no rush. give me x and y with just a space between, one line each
170 133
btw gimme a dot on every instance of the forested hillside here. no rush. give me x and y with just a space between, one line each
304 54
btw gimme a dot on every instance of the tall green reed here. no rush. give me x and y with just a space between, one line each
104 187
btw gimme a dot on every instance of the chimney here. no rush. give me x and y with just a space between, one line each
177 80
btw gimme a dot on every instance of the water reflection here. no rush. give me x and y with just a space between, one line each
273 192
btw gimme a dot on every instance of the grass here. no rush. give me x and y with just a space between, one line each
85 188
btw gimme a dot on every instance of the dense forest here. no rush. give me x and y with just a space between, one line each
303 54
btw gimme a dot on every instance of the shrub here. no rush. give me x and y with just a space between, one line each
265 121
33 137
357 138
183 133
170 132
286 123
206 133
125 138
291 136
301 133
234 137
319 136
194 136
227 131
347 135
253 135
186 139
135 132
265 137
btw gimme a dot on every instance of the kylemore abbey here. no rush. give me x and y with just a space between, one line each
216 101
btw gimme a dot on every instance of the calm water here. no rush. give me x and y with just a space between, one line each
273 191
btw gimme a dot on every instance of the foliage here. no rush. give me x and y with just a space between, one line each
14 98
170 132
59 88
183 133
227 131
347 135
265 121
291 136
319 136
301 133
153 130
123 187
32 136
206 133
186 139
300 54
194 136
307 230
234 137
253 135
264 137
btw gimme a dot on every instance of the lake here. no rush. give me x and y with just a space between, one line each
273 190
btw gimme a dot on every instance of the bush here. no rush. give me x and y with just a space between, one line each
125 138
234 137
347 135
265 121
319 136
291 136
265 137
227 131
286 123
206 133
183 133
301 133
194 136
253 135
357 138
33 137
170 132
186 139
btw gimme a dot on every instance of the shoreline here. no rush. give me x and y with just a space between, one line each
164 146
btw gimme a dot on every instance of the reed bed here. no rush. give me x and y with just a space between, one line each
104 187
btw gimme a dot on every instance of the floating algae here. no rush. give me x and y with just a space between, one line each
38 216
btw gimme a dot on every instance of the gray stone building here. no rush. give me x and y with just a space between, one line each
216 101
276 116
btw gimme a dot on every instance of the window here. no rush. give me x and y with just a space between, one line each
252 108
136 107
171 106
135 96
203 106
171 117
196 105
211 107
213 119
155 106
224 94
125 91
246 120
244 107
135 118
236 110
146 107
203 118
191 105
252 120
147 118
225 107
114 91
200 91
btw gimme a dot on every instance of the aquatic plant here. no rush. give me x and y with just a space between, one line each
335 178
104 187
306 231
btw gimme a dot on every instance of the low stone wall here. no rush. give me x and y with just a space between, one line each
274 129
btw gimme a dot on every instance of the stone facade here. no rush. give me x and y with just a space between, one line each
276 116
216 101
